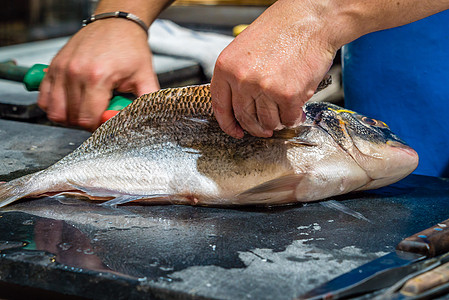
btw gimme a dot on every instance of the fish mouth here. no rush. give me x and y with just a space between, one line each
406 149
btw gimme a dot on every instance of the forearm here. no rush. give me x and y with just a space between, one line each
351 19
147 10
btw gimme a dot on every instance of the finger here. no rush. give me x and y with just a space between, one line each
222 107
290 111
147 84
292 117
267 112
56 109
95 102
246 115
44 91
74 92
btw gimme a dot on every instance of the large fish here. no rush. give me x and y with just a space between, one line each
166 147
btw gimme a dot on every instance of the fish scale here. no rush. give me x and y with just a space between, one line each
166 147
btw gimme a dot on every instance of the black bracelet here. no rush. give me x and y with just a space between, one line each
117 14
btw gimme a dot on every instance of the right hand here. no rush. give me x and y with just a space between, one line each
264 77
110 54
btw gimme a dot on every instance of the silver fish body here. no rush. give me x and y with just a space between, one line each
166 147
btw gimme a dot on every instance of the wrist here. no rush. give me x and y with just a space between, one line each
145 10
119 28
117 14
340 21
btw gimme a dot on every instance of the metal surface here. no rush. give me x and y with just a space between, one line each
9 71
375 275
418 253
78 248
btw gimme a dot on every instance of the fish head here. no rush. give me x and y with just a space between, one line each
374 147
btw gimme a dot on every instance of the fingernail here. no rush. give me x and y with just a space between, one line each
268 133
300 120
303 117
280 127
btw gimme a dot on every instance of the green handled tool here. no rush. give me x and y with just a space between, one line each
32 77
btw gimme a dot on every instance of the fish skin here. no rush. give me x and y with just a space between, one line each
166 147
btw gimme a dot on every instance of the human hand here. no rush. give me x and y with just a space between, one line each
107 55
263 78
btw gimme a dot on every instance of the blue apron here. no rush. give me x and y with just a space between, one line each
401 76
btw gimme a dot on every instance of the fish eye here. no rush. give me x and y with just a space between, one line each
369 121
373 122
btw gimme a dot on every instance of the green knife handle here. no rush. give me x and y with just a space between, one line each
115 105
34 76
430 242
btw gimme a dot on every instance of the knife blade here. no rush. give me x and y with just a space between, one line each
388 269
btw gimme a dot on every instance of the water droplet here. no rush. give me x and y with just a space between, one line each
166 279
28 222
88 251
163 268
65 246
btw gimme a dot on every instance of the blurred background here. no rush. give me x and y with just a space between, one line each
33 20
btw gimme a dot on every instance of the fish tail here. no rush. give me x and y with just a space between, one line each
15 189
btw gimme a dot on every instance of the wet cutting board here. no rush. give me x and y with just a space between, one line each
66 246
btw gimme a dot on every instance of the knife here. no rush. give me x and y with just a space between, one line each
388 269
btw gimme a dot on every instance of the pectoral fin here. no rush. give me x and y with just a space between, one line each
278 191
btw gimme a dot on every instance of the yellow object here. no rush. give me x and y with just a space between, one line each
426 281
341 110
238 29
